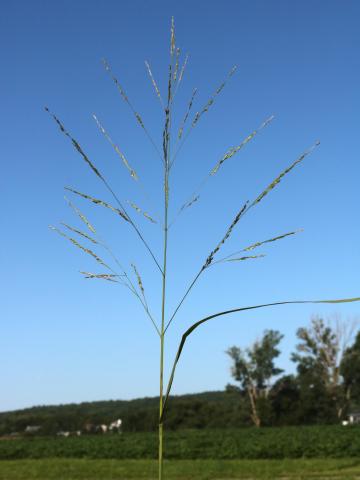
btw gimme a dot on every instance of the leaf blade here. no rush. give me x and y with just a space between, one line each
227 312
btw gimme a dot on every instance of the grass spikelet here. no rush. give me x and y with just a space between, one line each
122 93
182 126
157 91
138 209
176 69
172 39
115 80
78 245
232 151
282 174
140 283
240 259
199 114
166 131
253 246
99 202
135 113
183 69
189 204
274 239
75 144
104 276
116 148
81 215
226 236
79 232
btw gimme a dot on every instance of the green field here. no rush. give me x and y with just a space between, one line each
246 443
65 469
324 452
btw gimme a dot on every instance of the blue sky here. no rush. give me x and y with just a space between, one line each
66 339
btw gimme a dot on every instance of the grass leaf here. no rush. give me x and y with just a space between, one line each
227 312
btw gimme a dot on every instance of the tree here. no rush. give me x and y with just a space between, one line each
166 151
350 370
318 357
285 400
254 369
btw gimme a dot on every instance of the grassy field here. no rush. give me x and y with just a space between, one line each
269 453
81 469
236 444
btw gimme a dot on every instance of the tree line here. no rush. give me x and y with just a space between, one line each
323 390
327 380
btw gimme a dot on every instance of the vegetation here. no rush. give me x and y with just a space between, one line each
246 443
171 144
325 388
254 369
325 376
54 469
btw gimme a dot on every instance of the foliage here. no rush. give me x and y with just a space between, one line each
246 443
318 350
350 369
254 368
119 274
256 365
318 358
204 410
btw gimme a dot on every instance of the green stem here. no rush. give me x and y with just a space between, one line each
166 151
162 331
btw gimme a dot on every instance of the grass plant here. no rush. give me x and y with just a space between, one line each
168 153
84 469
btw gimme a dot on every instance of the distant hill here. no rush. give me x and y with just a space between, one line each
202 410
